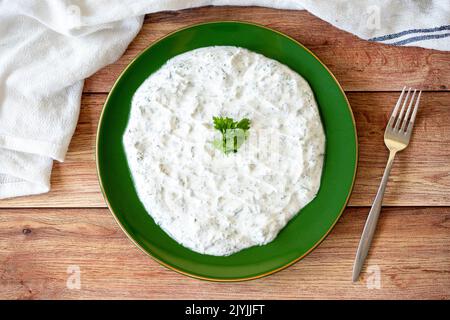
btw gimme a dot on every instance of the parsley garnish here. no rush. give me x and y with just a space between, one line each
233 133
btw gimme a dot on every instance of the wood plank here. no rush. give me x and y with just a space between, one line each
411 250
358 65
421 173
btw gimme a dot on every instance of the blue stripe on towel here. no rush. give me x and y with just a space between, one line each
420 38
399 34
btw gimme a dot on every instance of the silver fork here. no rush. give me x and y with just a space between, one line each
396 137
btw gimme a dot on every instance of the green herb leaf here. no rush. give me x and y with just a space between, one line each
233 133
244 124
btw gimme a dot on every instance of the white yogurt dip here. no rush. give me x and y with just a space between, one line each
208 201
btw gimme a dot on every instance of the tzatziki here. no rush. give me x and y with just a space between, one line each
209 201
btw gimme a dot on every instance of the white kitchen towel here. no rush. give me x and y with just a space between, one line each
48 47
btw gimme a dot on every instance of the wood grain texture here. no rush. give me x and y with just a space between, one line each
412 244
421 173
38 245
358 65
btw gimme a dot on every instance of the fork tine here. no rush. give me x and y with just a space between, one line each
408 111
394 112
413 116
400 116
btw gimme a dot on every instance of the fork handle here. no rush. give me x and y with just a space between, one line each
371 222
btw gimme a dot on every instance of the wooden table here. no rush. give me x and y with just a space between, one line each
43 238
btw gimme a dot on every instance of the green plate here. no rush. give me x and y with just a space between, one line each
305 231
